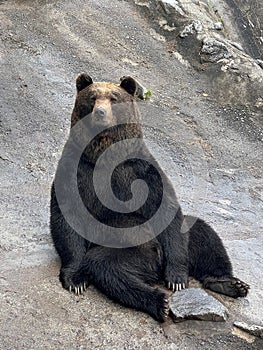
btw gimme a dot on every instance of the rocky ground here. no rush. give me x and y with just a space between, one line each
203 123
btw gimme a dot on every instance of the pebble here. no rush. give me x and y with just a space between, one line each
218 25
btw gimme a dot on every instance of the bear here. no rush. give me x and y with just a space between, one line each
136 270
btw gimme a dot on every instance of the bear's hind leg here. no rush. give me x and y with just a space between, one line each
109 274
209 262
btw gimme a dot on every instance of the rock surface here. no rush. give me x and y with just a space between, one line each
205 32
195 303
213 50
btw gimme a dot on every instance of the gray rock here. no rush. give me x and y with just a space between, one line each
253 329
260 63
194 27
171 7
141 91
218 26
213 50
195 303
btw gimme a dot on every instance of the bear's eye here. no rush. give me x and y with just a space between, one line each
114 97
92 98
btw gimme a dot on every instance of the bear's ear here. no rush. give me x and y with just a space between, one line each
83 80
129 84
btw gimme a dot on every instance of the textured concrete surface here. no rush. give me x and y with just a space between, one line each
212 150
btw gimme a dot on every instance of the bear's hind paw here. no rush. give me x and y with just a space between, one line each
162 307
230 286
166 308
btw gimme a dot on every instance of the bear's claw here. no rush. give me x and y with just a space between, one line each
78 290
67 278
175 286
160 307
166 308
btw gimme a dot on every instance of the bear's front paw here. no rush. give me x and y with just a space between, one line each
176 281
72 281
80 282
79 289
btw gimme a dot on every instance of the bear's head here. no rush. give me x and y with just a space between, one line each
108 111
98 100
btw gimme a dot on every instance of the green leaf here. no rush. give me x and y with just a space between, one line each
148 94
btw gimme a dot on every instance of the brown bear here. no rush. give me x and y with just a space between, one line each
132 255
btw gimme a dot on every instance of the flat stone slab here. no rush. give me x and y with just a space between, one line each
196 304
253 329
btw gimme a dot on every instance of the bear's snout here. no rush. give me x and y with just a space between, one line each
100 113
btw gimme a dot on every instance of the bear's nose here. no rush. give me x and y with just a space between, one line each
100 113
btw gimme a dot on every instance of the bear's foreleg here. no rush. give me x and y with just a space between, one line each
70 246
174 244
